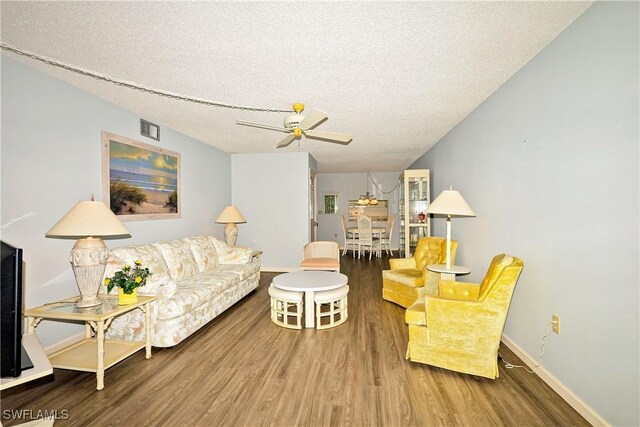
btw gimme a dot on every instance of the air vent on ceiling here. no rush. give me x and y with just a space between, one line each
149 130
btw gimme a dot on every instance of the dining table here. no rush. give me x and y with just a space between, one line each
374 230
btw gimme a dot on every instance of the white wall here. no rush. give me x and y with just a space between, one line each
272 192
549 163
51 159
349 186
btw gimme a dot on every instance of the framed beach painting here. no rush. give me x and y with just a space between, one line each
139 181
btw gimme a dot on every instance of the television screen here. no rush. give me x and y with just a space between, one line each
13 358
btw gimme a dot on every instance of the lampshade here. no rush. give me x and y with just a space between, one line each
88 219
450 202
232 215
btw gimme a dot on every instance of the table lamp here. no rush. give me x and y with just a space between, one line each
230 216
450 203
88 221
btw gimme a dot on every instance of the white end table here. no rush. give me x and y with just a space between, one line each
93 354
448 273
310 282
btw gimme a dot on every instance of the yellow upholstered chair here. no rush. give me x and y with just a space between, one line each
460 329
321 255
408 275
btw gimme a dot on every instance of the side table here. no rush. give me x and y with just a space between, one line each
448 273
93 354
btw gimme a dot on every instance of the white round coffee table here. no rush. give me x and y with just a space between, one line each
310 282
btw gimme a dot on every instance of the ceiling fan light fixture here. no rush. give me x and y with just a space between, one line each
297 126
293 120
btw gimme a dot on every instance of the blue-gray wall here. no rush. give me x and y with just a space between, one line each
549 163
271 190
51 159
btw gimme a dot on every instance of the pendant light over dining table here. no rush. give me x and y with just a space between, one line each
367 199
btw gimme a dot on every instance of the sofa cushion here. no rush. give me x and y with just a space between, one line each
193 291
241 271
410 276
204 252
231 254
150 257
178 257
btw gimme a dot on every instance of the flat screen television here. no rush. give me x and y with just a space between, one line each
13 358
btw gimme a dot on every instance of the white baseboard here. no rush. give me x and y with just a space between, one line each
65 342
567 394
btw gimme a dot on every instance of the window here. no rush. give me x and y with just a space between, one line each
330 204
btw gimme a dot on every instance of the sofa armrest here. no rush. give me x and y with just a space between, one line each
402 263
232 254
236 255
165 290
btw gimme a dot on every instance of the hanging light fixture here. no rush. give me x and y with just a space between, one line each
367 199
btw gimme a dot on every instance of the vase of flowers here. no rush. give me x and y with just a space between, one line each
128 280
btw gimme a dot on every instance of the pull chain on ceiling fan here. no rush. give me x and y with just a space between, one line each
297 125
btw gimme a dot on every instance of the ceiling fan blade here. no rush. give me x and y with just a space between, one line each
339 138
262 126
286 141
313 119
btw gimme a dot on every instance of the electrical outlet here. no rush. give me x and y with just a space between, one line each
335 234
556 323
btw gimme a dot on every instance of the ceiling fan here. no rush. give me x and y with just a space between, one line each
297 125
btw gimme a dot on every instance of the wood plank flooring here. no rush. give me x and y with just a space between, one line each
242 370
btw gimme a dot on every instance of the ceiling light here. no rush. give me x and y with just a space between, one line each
367 199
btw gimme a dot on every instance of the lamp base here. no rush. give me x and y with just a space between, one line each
88 301
88 261
230 233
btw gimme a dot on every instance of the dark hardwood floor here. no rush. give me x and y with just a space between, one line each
242 370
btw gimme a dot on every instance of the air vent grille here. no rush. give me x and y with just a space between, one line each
150 130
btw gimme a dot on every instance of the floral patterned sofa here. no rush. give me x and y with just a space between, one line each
195 279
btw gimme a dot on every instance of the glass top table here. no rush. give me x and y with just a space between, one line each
94 353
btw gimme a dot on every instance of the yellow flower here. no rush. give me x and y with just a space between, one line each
138 262
138 279
107 281
126 267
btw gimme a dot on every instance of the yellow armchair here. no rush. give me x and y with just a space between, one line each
460 329
408 275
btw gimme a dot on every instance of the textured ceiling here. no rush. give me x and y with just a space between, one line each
395 75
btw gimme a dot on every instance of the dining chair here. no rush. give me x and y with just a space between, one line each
349 238
385 240
365 237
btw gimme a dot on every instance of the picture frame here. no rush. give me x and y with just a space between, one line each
140 181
